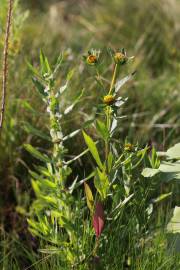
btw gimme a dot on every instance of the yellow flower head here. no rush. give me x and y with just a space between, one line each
120 58
91 59
109 99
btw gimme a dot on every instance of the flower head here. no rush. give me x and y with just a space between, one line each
92 58
120 58
109 99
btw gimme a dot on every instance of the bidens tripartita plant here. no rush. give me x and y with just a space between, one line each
118 199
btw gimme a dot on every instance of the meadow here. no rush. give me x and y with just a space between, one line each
89 135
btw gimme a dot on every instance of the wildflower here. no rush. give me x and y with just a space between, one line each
92 58
109 99
120 58
128 147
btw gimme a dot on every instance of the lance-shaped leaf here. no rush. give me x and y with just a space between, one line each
71 107
71 135
93 149
45 67
33 131
63 88
34 152
120 83
89 197
39 86
161 197
98 219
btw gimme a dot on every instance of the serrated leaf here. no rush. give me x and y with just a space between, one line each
93 149
89 197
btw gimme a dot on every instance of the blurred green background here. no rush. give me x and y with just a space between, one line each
149 30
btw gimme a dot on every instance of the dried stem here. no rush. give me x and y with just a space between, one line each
5 63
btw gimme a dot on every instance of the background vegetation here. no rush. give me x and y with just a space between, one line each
149 30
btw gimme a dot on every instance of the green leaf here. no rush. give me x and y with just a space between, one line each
34 152
174 224
101 183
167 167
89 197
33 131
102 129
33 69
71 107
161 197
71 135
167 177
39 86
120 205
70 75
35 187
174 152
149 172
110 161
93 149
45 67
121 82
76 184
49 199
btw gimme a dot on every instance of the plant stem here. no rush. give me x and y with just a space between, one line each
5 62
113 79
96 247
108 111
